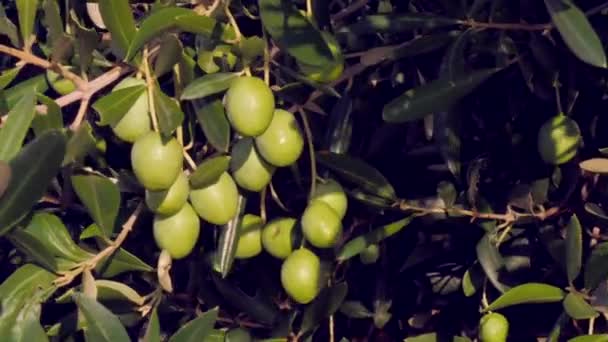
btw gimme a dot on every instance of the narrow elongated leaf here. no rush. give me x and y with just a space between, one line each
574 248
197 329
52 120
529 293
326 304
34 249
36 164
172 53
436 337
170 115
27 326
596 267
359 172
27 16
340 127
472 280
5 177
14 94
357 245
294 32
355 309
102 324
577 308
153 329
118 19
8 28
101 197
16 127
491 261
209 171
81 143
258 307
385 23
229 239
590 338
112 107
577 32
212 119
120 262
8 75
208 85
435 96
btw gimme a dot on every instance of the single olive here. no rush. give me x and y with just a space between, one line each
156 163
300 274
248 169
216 203
177 233
493 327
277 237
332 193
61 85
238 335
282 142
249 104
321 224
559 139
370 254
250 237
170 201
136 122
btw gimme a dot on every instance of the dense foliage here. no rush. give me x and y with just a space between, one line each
276 170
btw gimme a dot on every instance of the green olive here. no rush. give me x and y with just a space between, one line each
61 85
156 163
216 203
170 201
558 140
250 237
300 274
330 72
321 224
237 335
249 105
136 122
248 169
177 233
332 193
282 143
493 327
370 254
277 237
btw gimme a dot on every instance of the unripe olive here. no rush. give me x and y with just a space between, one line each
61 85
370 254
216 203
558 140
282 142
277 237
156 163
332 193
248 169
321 225
493 327
300 274
250 237
136 122
177 233
170 201
249 105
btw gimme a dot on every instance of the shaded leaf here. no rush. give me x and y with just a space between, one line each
14 94
102 324
396 22
491 261
214 123
529 293
7 76
577 32
17 125
7 28
118 19
34 249
208 85
324 305
36 164
26 10
153 328
5 177
170 116
435 96
209 171
112 107
355 309
472 280
590 338
577 308
228 241
359 172
172 53
81 143
52 120
574 248
121 261
198 328
87 40
596 267
338 135
101 197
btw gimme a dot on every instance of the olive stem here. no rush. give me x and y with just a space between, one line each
311 150
150 86
266 58
233 23
263 204
82 111
189 160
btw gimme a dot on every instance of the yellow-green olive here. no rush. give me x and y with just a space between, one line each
300 274
248 169
216 203
370 254
61 85
332 193
249 104
321 225
250 237
558 140
277 237
282 142
136 122
170 201
177 233
493 327
156 163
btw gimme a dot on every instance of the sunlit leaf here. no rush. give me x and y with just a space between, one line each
16 127
208 85
117 16
102 324
209 171
170 115
101 197
112 107
27 17
214 123
360 243
529 293
197 329
578 308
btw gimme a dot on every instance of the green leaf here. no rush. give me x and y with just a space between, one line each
228 241
102 324
8 75
34 249
208 85
590 338
7 28
153 329
359 172
212 119
529 293
197 329
558 327
436 337
108 291
170 116
53 21
339 130
172 52
118 18
112 107
27 326
53 118
36 164
101 197
574 248
180 18
326 304
209 171
15 93
355 309
121 261
387 23
577 32
294 32
491 261
596 267
435 96
81 143
251 48
472 280
5 177
578 308
16 127
87 40
357 245
27 17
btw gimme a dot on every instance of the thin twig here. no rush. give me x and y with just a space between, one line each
82 111
311 150
150 86
189 160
